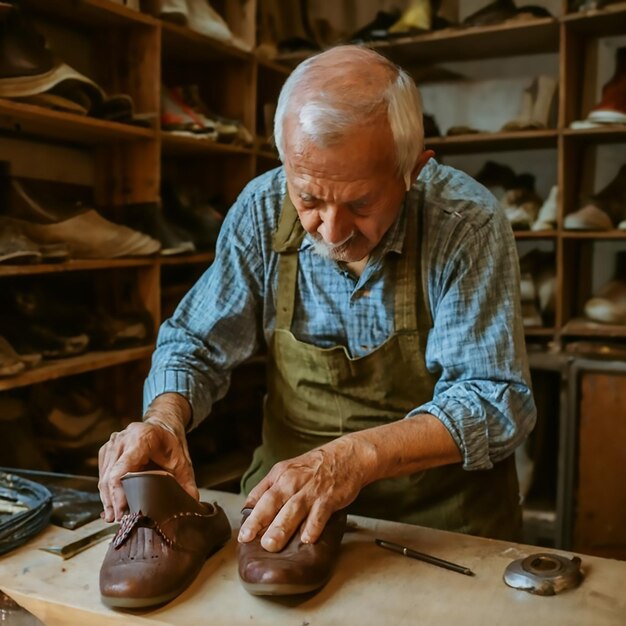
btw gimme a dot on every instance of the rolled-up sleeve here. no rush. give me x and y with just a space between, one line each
476 344
217 324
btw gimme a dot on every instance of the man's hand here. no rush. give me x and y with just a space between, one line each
159 440
309 489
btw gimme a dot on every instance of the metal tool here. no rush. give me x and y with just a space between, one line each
75 547
543 573
420 556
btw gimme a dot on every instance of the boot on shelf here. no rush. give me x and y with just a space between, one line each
612 106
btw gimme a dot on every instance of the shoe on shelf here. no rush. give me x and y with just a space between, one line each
417 18
162 542
531 317
528 293
175 11
608 305
496 177
612 106
15 246
539 265
228 131
377 28
493 13
69 419
178 117
521 203
30 337
10 362
603 210
297 568
547 217
538 109
188 209
85 232
204 19
588 218
149 219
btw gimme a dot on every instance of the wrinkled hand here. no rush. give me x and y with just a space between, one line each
155 441
306 490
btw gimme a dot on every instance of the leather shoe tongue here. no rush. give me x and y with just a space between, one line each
158 495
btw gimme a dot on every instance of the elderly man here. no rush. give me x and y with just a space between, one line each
385 289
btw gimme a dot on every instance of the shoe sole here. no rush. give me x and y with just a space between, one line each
279 589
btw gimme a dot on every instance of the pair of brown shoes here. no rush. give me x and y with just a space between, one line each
164 540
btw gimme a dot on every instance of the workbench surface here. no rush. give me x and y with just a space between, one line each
370 586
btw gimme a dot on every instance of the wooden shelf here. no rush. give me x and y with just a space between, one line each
73 266
188 259
594 234
610 133
490 142
183 44
180 145
539 331
583 327
90 13
480 42
535 234
611 20
459 44
88 362
30 120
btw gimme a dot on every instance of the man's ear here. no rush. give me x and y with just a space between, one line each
422 159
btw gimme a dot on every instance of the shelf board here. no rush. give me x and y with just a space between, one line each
88 362
31 120
180 145
610 133
480 42
90 13
594 234
73 266
459 44
539 331
583 327
535 234
611 20
188 259
489 142
183 44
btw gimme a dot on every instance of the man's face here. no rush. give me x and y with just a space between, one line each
348 194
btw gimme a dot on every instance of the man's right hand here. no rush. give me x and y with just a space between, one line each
159 440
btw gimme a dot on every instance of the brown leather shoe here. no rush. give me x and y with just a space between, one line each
297 568
161 544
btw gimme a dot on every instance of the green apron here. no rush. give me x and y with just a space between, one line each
317 394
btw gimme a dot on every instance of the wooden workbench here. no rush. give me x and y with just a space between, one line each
370 586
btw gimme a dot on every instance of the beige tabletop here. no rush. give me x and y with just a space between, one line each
369 586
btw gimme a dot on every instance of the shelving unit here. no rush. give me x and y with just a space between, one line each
126 51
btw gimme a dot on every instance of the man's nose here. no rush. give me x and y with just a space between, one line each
336 225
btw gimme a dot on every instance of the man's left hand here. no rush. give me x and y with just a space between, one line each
307 490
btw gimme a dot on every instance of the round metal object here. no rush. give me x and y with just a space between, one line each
543 573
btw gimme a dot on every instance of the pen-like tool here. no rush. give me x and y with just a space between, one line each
420 556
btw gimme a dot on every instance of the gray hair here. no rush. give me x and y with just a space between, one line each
331 95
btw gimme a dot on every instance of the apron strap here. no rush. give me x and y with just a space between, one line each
286 241
408 268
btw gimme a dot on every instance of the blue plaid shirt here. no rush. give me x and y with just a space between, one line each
476 345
